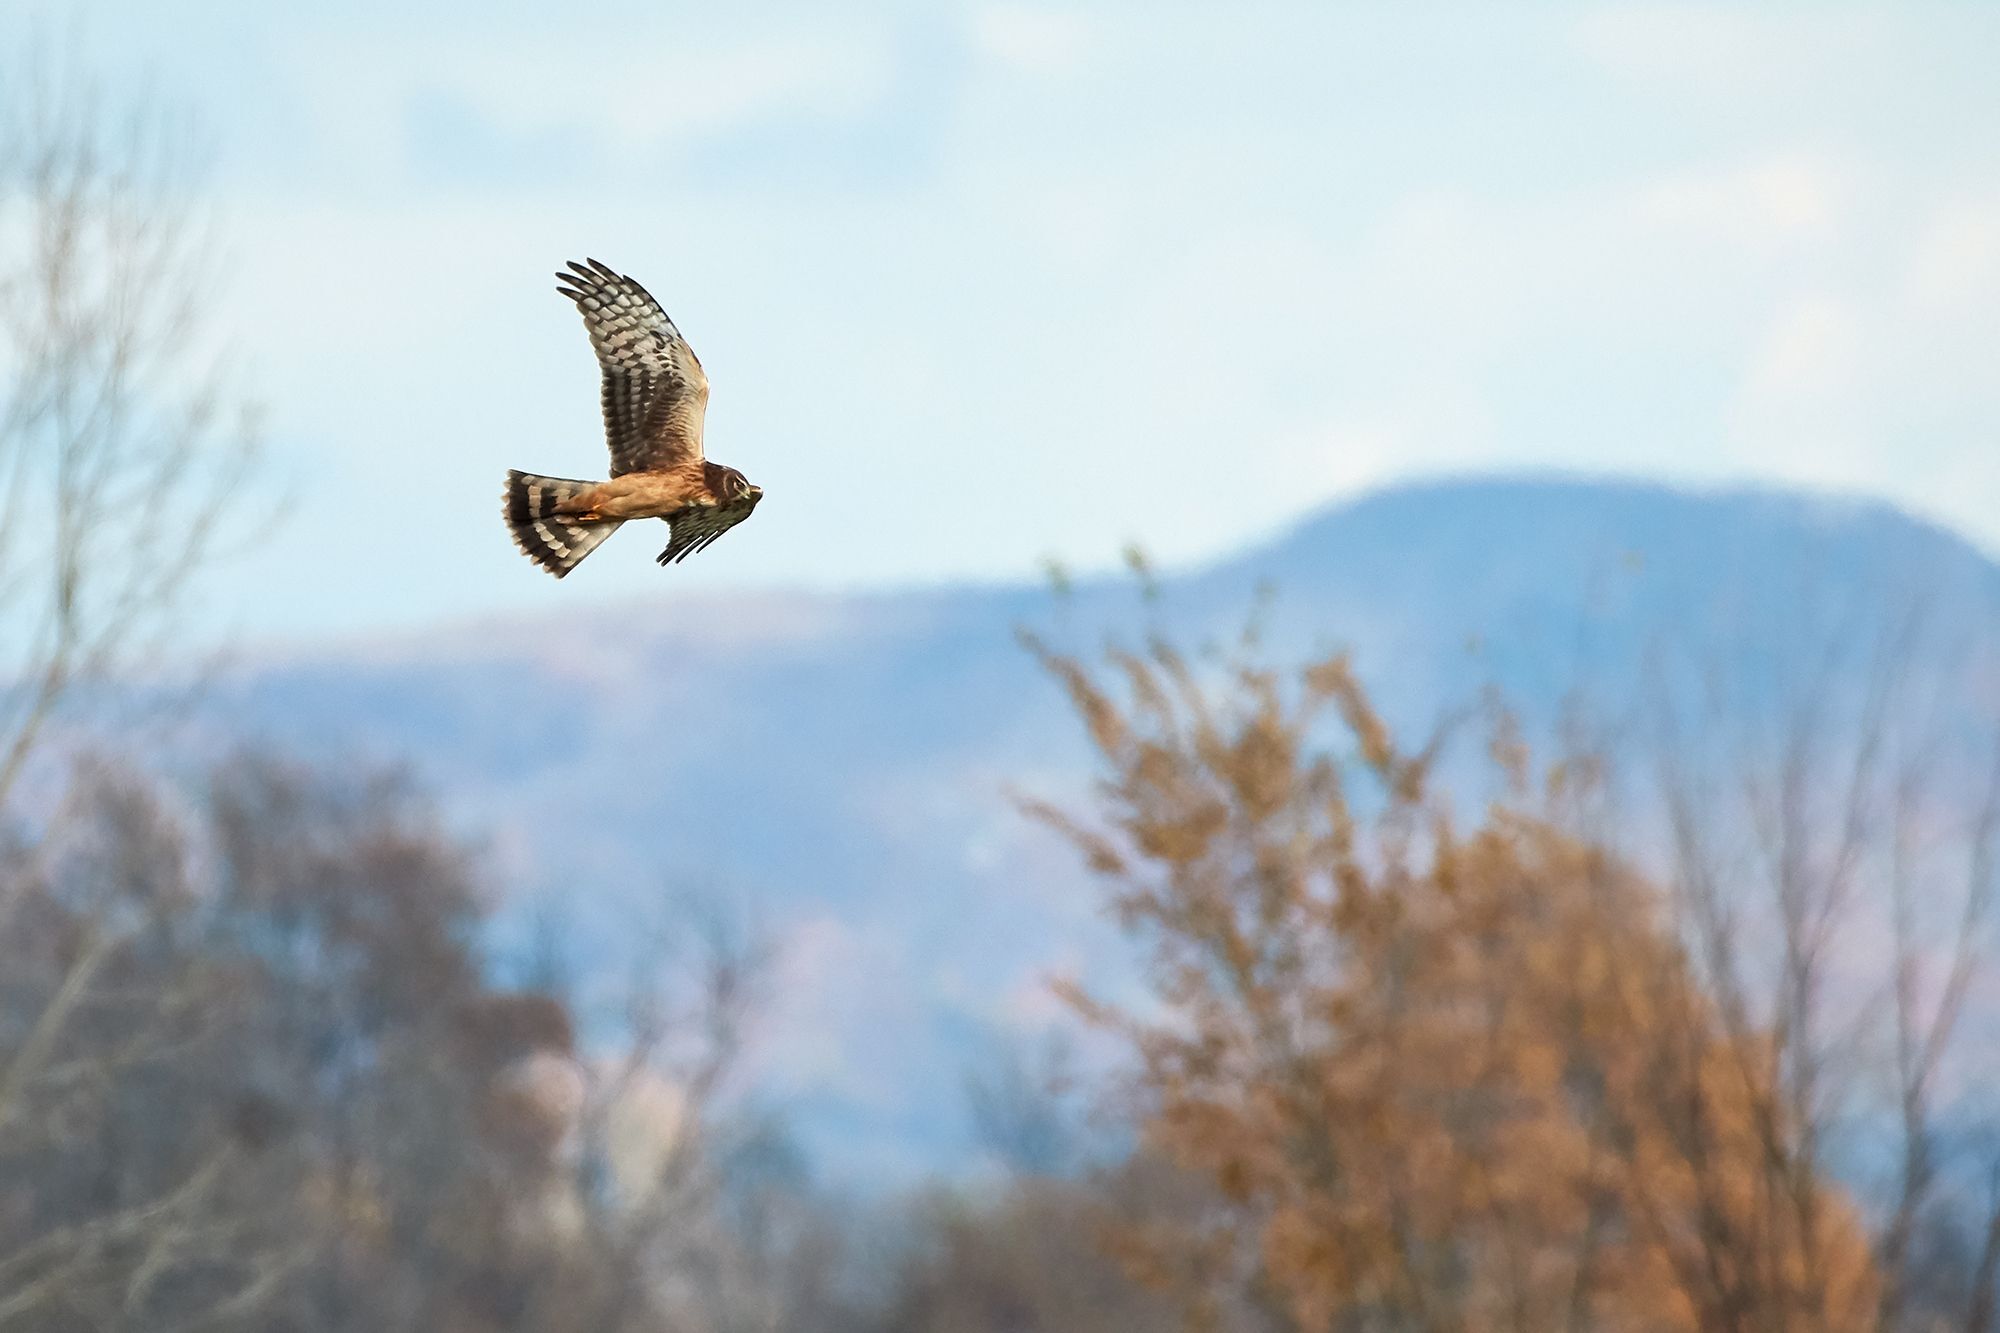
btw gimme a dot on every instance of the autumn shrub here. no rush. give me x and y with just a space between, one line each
1445 1067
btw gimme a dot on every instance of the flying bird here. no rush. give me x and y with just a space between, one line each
655 396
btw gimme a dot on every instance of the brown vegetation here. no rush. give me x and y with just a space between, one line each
1451 1072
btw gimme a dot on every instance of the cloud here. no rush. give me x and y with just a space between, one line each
616 104
1076 311
1956 265
1801 408
641 94
1780 201
1717 51
1812 350
1348 455
1044 41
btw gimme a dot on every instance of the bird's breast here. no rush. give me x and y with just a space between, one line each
645 495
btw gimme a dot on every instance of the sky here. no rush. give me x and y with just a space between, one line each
980 285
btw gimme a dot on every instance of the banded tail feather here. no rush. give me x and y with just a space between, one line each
555 543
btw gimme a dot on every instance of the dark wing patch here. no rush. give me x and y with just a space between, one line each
655 394
698 527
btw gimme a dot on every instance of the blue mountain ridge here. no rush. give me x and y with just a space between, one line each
841 764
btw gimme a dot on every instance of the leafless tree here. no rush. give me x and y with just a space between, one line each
118 460
1831 837
124 1202
120 448
1021 1097
684 1190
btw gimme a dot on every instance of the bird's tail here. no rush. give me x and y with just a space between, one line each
554 542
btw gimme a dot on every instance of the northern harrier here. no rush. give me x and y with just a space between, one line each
655 396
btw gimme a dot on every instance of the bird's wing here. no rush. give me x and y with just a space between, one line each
655 394
698 526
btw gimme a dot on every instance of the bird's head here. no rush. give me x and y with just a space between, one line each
736 488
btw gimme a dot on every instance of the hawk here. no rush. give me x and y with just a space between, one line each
655 396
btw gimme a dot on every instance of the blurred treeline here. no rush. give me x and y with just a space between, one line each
253 1074
1436 1035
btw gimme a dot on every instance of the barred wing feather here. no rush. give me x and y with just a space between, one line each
655 394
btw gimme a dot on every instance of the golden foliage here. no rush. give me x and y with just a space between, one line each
1443 1078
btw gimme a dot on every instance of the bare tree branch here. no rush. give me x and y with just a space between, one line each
119 455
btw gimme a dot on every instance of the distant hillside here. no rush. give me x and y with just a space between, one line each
842 762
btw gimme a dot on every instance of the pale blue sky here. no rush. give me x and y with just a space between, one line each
978 284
